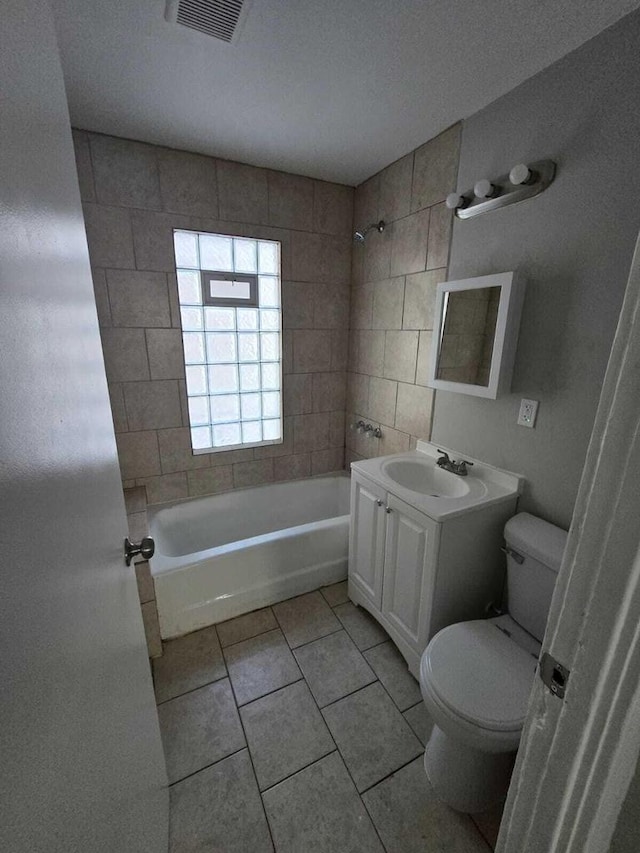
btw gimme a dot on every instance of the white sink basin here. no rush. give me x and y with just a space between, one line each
426 479
414 477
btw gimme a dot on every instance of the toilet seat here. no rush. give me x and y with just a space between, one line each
476 682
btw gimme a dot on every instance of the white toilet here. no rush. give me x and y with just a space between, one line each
476 676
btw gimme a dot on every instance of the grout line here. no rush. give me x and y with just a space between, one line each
193 689
271 692
206 767
304 767
481 833
402 766
352 693
317 639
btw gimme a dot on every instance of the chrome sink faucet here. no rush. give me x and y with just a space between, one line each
459 468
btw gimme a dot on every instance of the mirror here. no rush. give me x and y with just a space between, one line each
475 334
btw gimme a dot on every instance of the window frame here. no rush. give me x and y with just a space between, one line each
206 277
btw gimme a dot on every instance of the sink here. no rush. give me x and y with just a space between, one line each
425 478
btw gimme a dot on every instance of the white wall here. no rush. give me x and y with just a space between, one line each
82 765
574 245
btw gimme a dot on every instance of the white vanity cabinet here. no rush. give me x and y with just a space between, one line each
414 573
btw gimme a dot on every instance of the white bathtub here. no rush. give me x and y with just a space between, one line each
219 556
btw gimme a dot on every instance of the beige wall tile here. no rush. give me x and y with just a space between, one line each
377 254
152 405
400 356
83 165
357 392
174 303
393 441
135 499
109 236
210 481
420 298
409 246
366 203
292 467
413 412
138 454
146 590
242 192
326 461
440 225
329 391
272 451
370 353
395 189
388 299
297 305
176 453
153 239
337 422
125 172
164 348
287 351
298 393
362 306
118 410
320 257
435 169
138 298
331 306
188 183
423 367
351 456
253 473
151 629
230 457
101 294
168 487
290 201
382 400
311 432
311 351
125 354
332 208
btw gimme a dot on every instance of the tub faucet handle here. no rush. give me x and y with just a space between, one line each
145 549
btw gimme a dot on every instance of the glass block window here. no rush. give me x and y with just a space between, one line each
230 310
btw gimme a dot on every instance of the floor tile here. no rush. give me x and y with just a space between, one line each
244 627
260 665
188 662
219 809
335 594
361 627
305 618
319 811
199 728
372 735
410 819
285 732
420 721
333 667
489 824
391 668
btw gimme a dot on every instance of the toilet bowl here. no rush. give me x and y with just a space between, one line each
476 677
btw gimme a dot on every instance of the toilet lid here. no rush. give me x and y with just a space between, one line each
481 674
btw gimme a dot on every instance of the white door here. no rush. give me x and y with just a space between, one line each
82 763
366 537
410 553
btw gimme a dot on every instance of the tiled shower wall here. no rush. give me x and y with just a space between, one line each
134 195
394 278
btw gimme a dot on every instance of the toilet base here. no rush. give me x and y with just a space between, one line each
466 779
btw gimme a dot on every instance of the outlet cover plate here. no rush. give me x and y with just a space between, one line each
528 413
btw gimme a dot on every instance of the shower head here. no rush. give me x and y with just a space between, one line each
361 236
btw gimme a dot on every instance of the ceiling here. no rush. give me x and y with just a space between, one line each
334 89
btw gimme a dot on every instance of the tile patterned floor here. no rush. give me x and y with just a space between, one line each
298 729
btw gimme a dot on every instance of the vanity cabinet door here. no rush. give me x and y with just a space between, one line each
366 537
409 571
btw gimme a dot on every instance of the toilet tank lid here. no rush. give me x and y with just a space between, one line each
536 538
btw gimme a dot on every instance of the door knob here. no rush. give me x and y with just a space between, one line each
145 548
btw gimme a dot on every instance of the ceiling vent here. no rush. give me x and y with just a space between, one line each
218 18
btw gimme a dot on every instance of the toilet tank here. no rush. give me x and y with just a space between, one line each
534 553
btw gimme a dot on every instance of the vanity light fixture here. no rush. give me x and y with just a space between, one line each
523 181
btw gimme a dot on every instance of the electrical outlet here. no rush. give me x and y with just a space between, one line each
527 413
